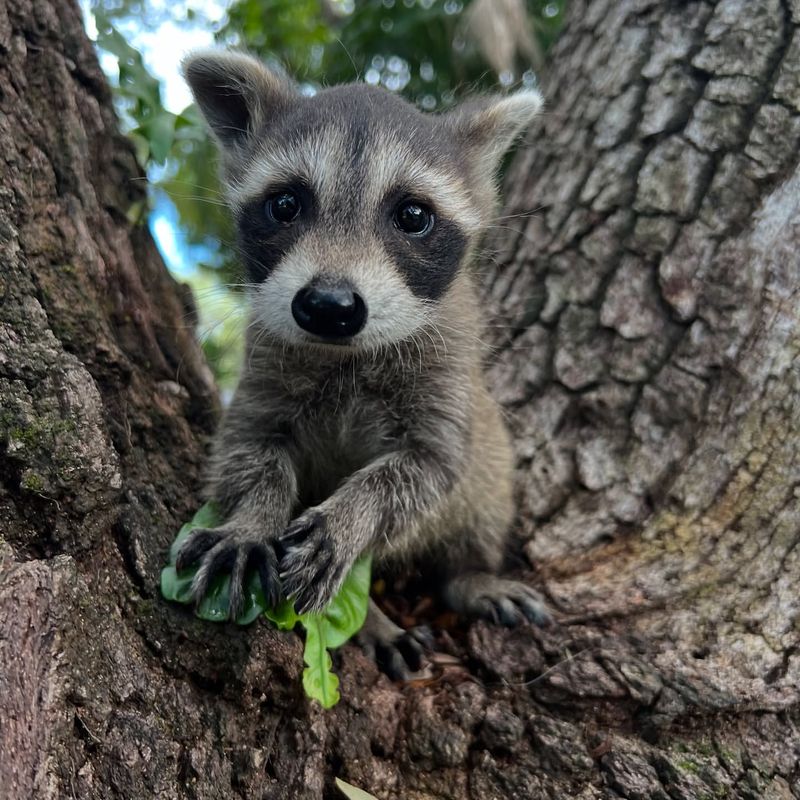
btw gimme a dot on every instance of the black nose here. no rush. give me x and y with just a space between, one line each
332 312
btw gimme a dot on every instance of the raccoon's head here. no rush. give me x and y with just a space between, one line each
355 211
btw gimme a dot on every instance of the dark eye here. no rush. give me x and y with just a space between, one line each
413 218
283 207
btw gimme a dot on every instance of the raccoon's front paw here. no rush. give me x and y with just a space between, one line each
234 549
313 566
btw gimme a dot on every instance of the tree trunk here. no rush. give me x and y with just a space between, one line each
647 288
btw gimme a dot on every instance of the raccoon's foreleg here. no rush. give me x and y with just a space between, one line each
382 499
255 485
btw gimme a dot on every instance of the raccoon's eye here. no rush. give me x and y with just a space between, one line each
413 218
283 207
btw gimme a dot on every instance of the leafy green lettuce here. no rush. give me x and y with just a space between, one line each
326 631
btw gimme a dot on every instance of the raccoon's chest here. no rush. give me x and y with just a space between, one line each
344 427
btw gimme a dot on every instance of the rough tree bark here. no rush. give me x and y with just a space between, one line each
648 351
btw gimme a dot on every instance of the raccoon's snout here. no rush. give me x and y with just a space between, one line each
329 312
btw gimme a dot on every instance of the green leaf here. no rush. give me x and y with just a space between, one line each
159 132
342 618
353 793
177 586
319 681
347 611
284 616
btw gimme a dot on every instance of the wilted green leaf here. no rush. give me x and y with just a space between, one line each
176 587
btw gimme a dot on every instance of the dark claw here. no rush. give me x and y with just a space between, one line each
314 596
299 530
236 596
247 556
196 546
320 559
253 555
391 661
220 558
403 655
305 601
411 650
424 635
534 612
507 612
266 563
485 608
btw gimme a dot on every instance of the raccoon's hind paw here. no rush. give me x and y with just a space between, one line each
399 657
312 567
500 600
397 652
235 550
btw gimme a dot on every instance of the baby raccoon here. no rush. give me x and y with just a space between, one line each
362 421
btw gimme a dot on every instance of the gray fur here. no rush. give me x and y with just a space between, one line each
387 443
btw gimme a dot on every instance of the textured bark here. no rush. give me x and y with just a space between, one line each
648 352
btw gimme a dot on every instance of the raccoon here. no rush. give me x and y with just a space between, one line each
362 422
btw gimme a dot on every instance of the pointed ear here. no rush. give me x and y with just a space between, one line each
235 92
488 127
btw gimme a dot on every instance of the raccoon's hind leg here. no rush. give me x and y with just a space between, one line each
474 529
499 600
396 651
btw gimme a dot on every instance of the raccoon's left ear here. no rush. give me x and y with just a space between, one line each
235 92
488 127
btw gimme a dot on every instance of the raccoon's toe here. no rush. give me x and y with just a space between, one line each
217 559
196 545
401 656
220 550
260 557
512 609
312 568
499 600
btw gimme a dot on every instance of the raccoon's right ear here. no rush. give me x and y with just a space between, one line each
488 126
235 92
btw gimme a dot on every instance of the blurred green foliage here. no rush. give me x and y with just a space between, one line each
419 48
